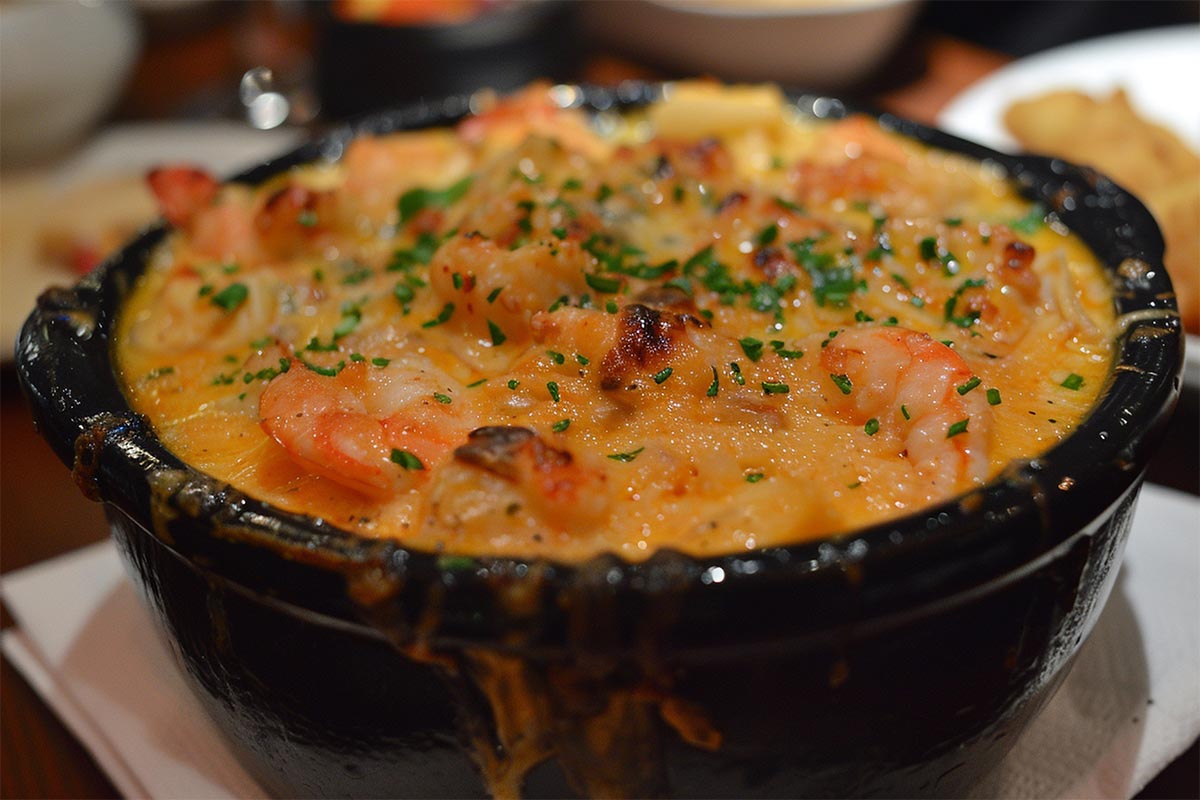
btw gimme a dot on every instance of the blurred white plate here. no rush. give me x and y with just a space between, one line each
1157 68
100 189
815 44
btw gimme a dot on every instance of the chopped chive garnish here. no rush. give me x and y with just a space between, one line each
754 477
561 233
1073 382
872 427
610 307
356 277
929 248
904 412
738 377
843 383
582 359
328 372
442 398
479 382
347 323
768 235
662 375
625 458
406 459
715 386
513 383
494 293
993 397
403 292
561 425
232 296
443 315
498 337
307 218
457 280
379 361
957 428
778 347
775 388
969 385
601 283
1033 220
862 316
414 201
552 387
751 347
357 357
555 356
953 222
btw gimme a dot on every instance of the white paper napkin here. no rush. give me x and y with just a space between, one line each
1129 707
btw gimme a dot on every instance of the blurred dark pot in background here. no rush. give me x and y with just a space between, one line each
364 65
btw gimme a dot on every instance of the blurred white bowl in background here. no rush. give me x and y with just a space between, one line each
62 66
820 44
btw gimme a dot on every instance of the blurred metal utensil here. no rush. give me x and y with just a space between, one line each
268 105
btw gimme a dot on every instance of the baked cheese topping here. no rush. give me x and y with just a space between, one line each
711 325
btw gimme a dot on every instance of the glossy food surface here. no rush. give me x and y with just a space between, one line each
712 326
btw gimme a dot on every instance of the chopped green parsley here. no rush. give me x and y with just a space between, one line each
498 337
625 458
232 296
414 201
406 460
443 316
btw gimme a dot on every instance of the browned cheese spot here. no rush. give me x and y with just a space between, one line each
647 337
503 450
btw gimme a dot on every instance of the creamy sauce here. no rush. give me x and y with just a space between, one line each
713 326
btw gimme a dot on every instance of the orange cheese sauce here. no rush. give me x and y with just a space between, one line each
711 326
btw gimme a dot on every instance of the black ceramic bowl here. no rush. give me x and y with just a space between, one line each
899 660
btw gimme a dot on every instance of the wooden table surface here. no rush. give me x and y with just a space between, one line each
42 513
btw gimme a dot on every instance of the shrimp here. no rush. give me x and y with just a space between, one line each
488 283
220 222
347 427
182 191
911 383
186 314
379 169
514 474
532 112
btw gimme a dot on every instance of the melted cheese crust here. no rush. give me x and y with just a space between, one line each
642 314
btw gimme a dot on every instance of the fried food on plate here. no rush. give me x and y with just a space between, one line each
1145 157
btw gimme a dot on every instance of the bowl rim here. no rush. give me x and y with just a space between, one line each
716 12
1032 511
